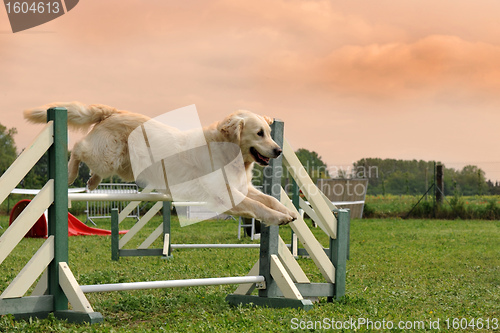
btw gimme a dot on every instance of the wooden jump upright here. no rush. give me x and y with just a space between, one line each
273 251
57 285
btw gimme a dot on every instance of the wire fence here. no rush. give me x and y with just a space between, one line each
102 209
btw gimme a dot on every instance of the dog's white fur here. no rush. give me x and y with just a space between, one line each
105 150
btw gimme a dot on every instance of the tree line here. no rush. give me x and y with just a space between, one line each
392 176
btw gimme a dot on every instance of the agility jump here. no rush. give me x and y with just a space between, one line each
280 280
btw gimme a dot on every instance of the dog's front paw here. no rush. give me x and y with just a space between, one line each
287 220
293 214
284 210
279 219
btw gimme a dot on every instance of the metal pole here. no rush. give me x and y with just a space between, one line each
426 181
170 284
214 246
434 196
118 197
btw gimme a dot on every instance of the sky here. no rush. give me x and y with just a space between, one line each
413 79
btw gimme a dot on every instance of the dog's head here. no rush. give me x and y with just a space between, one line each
253 134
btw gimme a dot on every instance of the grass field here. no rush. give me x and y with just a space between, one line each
408 272
486 207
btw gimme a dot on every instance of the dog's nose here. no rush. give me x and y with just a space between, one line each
277 152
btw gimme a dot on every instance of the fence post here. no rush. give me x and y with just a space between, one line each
269 234
339 253
167 216
115 235
58 211
296 203
439 184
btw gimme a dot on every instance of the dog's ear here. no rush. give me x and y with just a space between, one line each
231 127
269 120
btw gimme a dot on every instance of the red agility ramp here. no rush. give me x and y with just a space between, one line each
39 229
78 228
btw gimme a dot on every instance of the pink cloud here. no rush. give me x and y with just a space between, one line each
433 65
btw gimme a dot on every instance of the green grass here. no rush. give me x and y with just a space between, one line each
408 270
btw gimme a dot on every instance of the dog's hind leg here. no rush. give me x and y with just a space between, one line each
94 180
73 165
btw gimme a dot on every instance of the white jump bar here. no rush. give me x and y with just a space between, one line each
129 197
213 246
337 203
216 246
118 197
96 288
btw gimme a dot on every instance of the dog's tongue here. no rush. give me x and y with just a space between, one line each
266 159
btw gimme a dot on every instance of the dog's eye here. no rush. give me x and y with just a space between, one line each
261 133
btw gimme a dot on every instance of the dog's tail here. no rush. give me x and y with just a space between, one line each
80 116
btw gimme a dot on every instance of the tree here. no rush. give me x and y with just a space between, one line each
313 164
7 148
38 175
471 180
493 188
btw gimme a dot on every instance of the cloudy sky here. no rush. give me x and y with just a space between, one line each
413 79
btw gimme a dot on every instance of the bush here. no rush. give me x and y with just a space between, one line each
368 211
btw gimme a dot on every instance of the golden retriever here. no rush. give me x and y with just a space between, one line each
105 150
